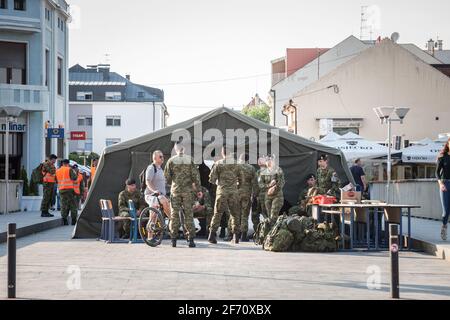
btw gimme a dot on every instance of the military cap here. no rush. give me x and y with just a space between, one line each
130 182
323 157
311 175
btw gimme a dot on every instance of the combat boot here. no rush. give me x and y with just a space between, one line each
174 243
212 238
74 221
191 243
222 233
229 237
236 238
65 222
244 237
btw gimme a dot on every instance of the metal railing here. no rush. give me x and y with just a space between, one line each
28 97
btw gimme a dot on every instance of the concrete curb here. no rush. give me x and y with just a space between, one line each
440 251
32 229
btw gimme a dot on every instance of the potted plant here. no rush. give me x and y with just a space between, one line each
31 201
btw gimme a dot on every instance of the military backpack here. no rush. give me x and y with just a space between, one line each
37 176
261 231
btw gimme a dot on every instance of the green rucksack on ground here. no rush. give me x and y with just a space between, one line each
279 238
319 239
261 231
37 176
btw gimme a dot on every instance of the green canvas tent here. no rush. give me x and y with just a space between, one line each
297 158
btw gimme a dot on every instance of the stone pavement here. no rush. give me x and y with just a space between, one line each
427 237
49 262
28 222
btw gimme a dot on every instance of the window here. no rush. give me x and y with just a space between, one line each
88 145
59 23
20 5
3 4
85 121
113 121
113 96
140 94
47 14
13 63
60 65
47 66
111 141
342 131
84 96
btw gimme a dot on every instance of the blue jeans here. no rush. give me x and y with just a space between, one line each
445 199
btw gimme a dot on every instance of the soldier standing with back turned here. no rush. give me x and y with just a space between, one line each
227 175
181 172
247 188
66 178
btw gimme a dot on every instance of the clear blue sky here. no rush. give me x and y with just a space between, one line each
161 42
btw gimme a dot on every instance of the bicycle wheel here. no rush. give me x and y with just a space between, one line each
151 226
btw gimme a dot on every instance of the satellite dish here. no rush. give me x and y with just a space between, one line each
395 36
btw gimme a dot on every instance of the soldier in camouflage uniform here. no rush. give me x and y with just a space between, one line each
308 191
181 172
261 195
273 179
130 193
327 179
48 181
227 175
203 208
247 188
67 195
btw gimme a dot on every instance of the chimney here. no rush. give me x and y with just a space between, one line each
440 45
128 77
430 46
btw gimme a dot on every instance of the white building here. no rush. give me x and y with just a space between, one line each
387 74
106 108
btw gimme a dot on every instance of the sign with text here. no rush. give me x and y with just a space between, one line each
78 135
55 133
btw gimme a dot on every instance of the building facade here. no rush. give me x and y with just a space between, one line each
387 74
33 76
107 108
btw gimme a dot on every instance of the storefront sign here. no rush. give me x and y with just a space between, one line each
78 135
55 133
14 127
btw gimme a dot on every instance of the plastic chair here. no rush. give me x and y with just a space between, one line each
106 222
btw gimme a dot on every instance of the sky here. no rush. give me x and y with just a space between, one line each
209 53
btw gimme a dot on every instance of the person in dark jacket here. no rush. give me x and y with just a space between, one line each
443 175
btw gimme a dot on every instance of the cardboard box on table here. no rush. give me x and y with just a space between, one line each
353 197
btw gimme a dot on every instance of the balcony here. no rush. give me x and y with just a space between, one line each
29 98
16 24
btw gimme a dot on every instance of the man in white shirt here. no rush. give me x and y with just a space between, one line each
156 182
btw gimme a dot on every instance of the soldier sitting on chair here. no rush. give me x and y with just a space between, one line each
130 193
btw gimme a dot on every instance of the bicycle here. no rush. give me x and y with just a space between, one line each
152 223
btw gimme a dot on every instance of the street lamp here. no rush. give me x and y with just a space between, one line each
11 116
385 115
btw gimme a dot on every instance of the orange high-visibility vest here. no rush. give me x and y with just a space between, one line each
93 169
63 177
48 177
76 184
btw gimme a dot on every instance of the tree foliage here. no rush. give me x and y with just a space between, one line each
261 113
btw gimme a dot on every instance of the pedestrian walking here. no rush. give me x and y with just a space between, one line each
443 175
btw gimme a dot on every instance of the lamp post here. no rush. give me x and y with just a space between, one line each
11 115
385 115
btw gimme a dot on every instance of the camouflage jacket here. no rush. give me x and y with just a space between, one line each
205 201
181 172
261 184
325 184
306 195
48 167
227 175
275 174
249 183
136 197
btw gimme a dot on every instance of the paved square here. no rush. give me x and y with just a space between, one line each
48 264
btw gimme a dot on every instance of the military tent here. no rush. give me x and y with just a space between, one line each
297 158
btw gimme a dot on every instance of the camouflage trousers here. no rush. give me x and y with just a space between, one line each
48 196
229 203
260 209
125 225
177 202
206 214
245 204
68 204
274 204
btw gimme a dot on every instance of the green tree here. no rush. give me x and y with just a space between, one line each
261 113
79 158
